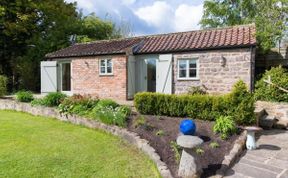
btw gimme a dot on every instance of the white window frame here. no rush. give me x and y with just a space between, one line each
106 66
187 69
68 92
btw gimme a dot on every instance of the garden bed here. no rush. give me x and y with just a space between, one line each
160 131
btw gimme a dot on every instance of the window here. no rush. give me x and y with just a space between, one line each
66 76
187 68
106 67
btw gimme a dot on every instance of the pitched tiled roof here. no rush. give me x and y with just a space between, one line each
229 37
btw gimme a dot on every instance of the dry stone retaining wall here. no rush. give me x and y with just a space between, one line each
279 110
130 137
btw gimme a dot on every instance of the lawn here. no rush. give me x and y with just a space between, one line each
32 146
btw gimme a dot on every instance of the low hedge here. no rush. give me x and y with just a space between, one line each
239 104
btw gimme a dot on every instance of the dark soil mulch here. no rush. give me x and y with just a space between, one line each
210 160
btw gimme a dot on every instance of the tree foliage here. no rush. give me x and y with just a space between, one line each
269 16
29 29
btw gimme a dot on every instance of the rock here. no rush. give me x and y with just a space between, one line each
259 113
267 121
281 124
189 141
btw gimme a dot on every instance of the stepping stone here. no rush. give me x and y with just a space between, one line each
251 171
271 168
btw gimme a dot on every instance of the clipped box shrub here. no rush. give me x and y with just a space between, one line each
239 104
266 92
3 85
24 96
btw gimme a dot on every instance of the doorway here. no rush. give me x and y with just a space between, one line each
151 75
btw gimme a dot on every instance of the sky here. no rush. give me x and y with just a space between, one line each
147 16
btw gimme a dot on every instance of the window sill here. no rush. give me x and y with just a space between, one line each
188 79
105 75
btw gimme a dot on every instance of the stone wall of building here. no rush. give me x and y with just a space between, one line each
86 78
218 70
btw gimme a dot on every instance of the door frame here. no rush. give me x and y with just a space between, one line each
141 81
59 74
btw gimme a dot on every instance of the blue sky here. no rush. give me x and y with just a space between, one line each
147 16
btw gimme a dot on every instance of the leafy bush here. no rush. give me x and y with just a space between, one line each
266 92
110 115
77 104
38 102
3 85
24 96
54 99
196 90
107 103
239 104
50 100
225 126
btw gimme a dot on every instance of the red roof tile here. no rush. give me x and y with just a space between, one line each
229 37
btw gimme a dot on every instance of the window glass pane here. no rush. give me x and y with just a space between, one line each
66 77
182 64
192 73
109 63
109 69
102 63
192 64
182 73
102 70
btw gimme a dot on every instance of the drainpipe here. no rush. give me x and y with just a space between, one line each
252 77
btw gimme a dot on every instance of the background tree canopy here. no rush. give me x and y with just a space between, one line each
29 29
269 16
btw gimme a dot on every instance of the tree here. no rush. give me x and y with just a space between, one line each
29 29
269 16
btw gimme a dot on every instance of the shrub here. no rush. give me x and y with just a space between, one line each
110 112
196 90
24 96
50 100
109 115
266 92
239 104
3 85
77 104
53 99
107 103
38 102
225 126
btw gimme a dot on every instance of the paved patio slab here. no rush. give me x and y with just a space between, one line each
270 160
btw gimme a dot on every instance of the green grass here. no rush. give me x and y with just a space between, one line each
33 146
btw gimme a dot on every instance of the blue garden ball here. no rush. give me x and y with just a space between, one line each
187 127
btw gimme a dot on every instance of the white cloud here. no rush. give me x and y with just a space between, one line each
128 2
187 17
149 16
156 14
163 16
